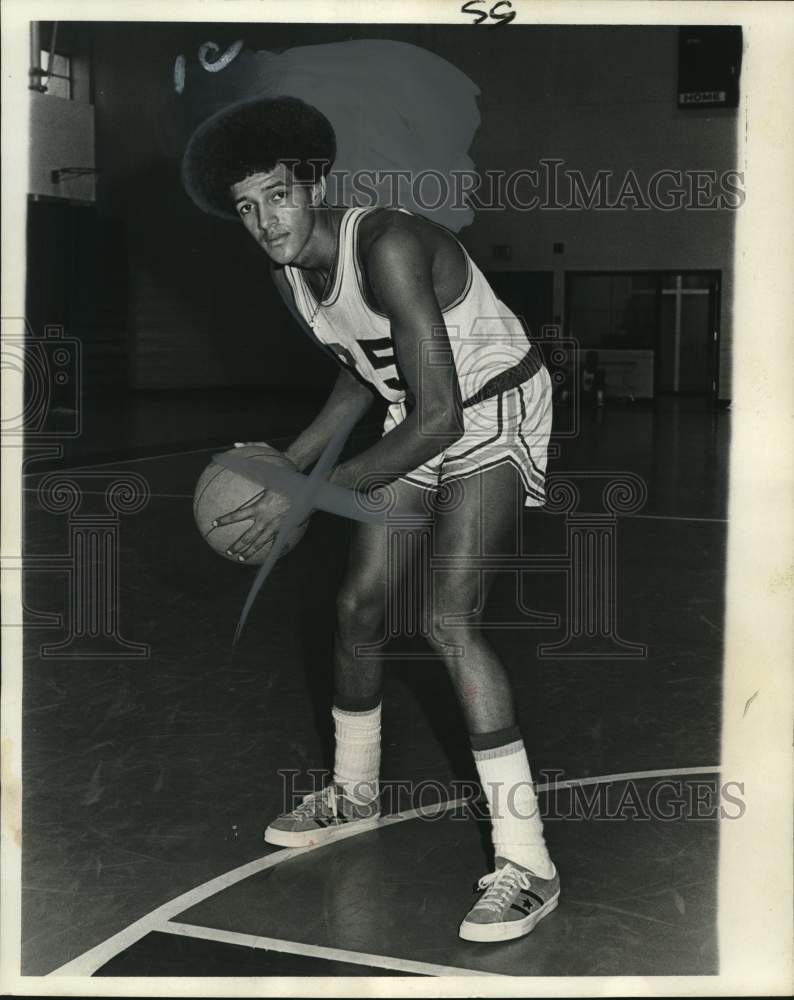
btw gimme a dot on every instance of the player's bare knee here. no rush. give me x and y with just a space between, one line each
449 634
453 601
358 613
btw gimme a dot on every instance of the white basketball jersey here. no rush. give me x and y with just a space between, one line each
485 336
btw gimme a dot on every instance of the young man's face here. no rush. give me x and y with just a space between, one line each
277 211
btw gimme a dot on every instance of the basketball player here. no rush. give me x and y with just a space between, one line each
391 296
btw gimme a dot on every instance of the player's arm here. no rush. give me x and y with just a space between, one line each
399 269
348 398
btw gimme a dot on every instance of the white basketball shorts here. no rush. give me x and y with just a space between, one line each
511 426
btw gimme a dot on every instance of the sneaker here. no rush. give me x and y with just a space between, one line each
514 899
322 816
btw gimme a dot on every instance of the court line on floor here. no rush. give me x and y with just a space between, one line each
93 959
167 454
101 493
275 440
189 496
603 779
397 965
671 517
126 461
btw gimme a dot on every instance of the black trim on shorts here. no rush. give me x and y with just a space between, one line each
521 437
495 463
528 366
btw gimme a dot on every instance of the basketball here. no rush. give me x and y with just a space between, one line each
220 491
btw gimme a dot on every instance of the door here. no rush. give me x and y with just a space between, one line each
688 334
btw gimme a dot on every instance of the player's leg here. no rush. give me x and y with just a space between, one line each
361 605
352 796
525 885
483 517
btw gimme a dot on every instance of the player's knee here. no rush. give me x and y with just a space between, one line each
450 641
451 620
357 612
440 636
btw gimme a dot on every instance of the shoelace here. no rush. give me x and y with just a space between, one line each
499 885
327 797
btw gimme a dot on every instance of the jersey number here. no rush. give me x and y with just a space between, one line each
380 354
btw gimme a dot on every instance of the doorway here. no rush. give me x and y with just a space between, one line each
686 362
669 320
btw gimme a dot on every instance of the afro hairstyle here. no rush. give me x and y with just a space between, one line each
253 137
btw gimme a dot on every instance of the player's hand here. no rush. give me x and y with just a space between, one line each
267 511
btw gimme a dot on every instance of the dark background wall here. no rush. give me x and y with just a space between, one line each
202 309
197 308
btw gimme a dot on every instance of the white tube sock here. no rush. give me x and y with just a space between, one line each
515 817
357 756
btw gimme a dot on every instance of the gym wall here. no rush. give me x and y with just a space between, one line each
200 310
600 98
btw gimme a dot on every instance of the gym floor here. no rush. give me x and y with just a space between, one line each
151 769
